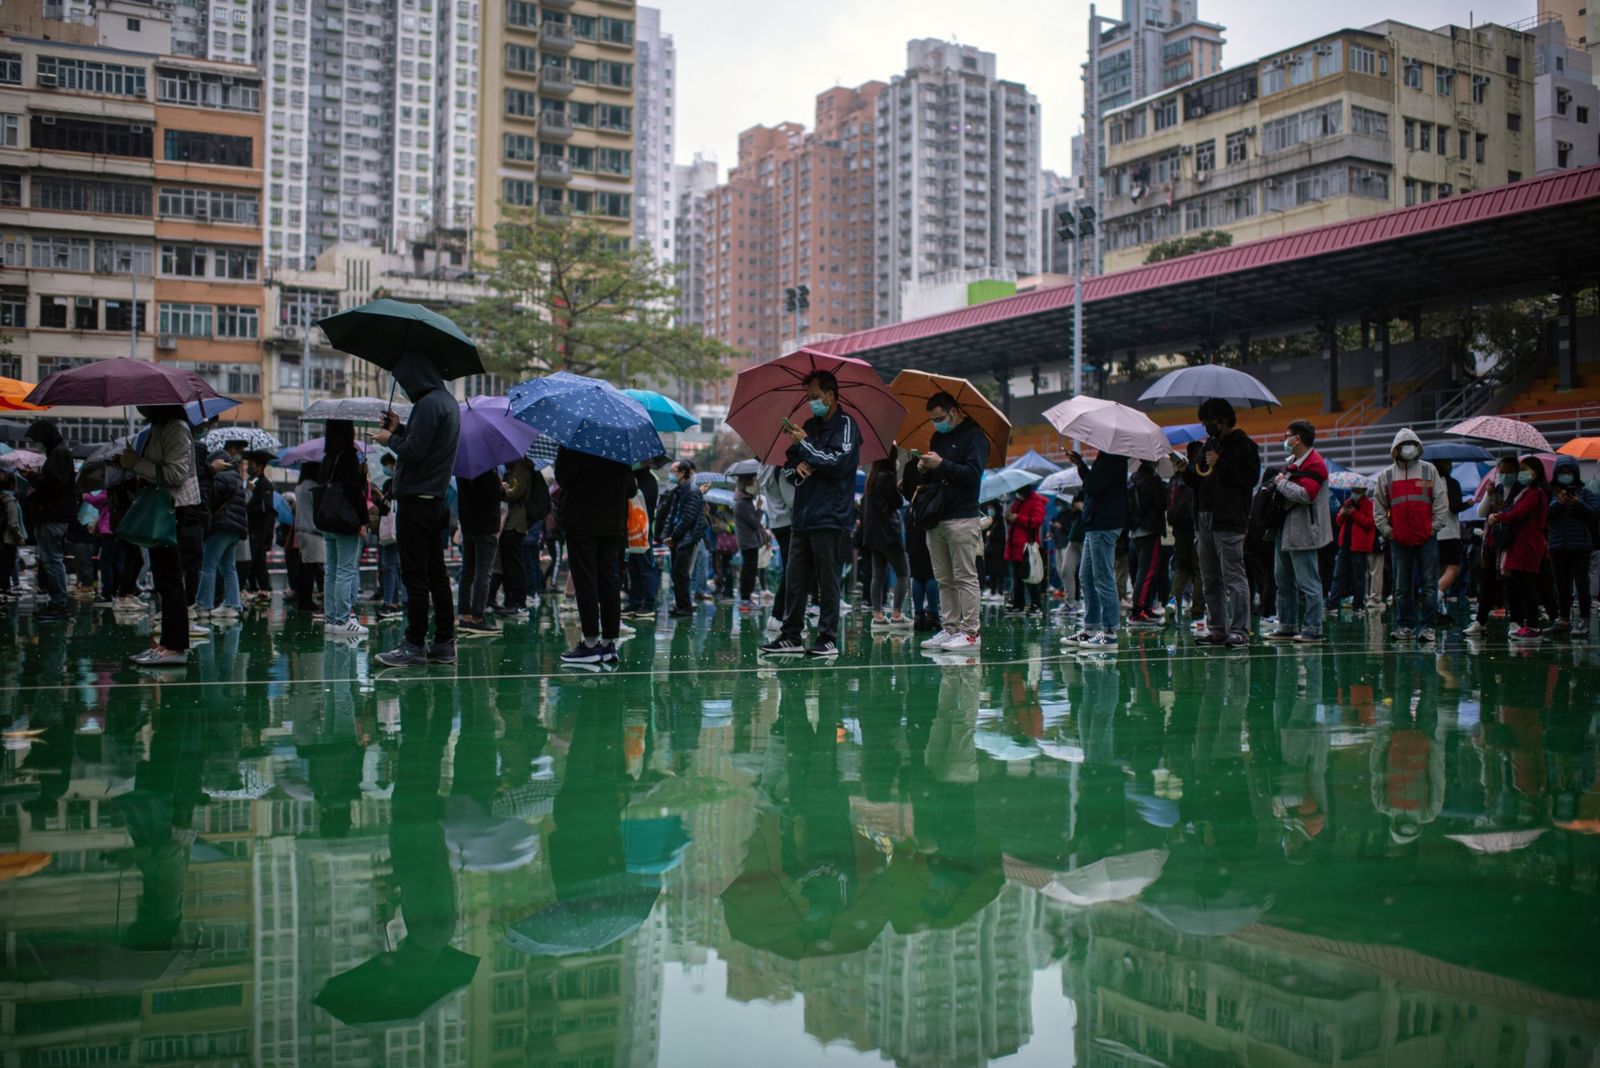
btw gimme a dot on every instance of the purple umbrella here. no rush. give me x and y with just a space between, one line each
120 382
490 436
310 451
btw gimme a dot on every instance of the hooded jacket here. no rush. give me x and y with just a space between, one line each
1411 497
227 502
1310 524
425 447
54 488
1571 524
827 499
1224 491
779 493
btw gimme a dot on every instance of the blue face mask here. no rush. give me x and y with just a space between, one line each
819 408
672 478
941 426
1525 478
1565 479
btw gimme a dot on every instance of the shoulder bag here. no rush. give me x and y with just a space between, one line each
928 505
151 521
334 513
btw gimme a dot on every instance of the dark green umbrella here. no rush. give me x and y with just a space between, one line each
383 331
396 988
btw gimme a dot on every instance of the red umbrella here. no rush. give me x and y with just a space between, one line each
768 394
119 383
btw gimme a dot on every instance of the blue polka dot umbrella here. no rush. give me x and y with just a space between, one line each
587 415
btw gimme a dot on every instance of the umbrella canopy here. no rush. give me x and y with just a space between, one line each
255 439
1032 461
1456 451
1064 481
1582 448
12 392
1184 433
767 908
1187 910
913 388
587 415
1349 480
481 842
712 478
997 484
720 496
111 450
490 436
19 865
767 394
938 892
108 966
653 846
12 429
364 411
668 416
310 451
1109 427
1505 431
1114 878
396 988
22 460
1189 386
386 331
121 382
583 924
743 468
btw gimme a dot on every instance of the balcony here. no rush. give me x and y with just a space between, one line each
560 5
554 169
555 124
557 37
553 209
555 80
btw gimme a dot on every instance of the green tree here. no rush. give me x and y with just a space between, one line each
1179 247
568 296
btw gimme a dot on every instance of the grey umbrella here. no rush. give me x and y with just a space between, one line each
368 410
255 439
744 467
1189 386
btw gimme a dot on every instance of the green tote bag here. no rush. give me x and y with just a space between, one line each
151 521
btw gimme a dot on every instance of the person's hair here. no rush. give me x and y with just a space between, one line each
885 464
340 435
1196 450
685 467
941 400
310 471
388 458
1268 474
1444 467
1303 430
1219 409
1507 465
824 381
1533 464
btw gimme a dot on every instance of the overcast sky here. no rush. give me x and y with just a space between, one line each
744 64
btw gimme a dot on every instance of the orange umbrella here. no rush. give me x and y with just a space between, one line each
913 388
1582 448
16 865
12 392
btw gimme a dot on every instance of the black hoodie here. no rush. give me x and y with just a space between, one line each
425 447
54 488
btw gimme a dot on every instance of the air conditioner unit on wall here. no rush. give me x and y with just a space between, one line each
166 342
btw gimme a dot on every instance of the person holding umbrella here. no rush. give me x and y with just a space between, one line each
425 454
54 493
261 516
592 495
1224 481
822 465
167 458
954 462
1105 513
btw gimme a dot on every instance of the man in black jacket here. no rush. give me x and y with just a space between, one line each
1105 514
592 509
954 462
822 465
55 507
681 523
1147 525
262 514
1224 482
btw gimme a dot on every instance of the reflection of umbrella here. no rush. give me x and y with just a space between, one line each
996 484
668 416
386 331
653 846
1032 461
22 460
1110 427
117 382
18 865
106 965
1192 913
586 923
771 911
741 468
363 411
479 842
936 892
587 415
396 988
768 393
1184 433
1349 480
1499 841
1455 451
1189 386
913 388
310 451
1063 481
1503 430
490 437
1114 878
1582 448
255 439
1003 747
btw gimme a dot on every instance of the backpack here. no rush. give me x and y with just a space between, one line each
537 502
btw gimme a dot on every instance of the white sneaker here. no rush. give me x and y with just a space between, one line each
1077 639
774 624
1474 629
938 641
960 643
197 631
348 629
225 613
625 631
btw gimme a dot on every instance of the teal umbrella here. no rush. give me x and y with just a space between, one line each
613 908
666 414
385 331
997 484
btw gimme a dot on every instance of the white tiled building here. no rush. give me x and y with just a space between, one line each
654 196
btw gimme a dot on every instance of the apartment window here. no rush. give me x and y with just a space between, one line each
522 14
1365 182
225 92
580 70
1464 143
521 148
613 161
1369 123
581 157
184 320
62 133
1413 75
1411 133
1582 116
1217 94
10 68
1299 66
10 131
1236 149
1205 155
1425 136
517 192
1444 81
236 264
615 75
1363 60
1514 65
1302 127
53 314
1513 121
1480 146
522 103
1166 113
89 76
61 253
616 31
614 117
120 315
1442 142
13 310
613 205
236 379
1513 176
85 313
191 146
123 257
54 193
1480 88
1306 187
209 205
1330 58
238 321
1272 78
522 58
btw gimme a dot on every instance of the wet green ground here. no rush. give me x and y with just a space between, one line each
1347 855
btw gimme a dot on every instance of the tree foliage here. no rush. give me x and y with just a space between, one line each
1180 247
567 296
725 450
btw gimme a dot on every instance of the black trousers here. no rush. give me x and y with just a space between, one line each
167 572
1022 593
781 594
419 531
813 557
513 569
260 546
1522 595
748 572
596 562
1572 569
682 566
191 546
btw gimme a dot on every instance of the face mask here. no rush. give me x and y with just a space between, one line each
819 408
672 479
1525 478
1288 446
941 426
1214 430
1409 452
1565 479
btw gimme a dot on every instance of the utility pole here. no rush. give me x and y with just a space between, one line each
1076 226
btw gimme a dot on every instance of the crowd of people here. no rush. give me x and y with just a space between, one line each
1217 538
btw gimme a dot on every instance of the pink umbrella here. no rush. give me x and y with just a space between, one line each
771 392
21 460
1505 431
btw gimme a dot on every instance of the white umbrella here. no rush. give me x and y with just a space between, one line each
480 842
1114 878
1063 481
996 484
1110 427
1190 386
1499 841
367 410
255 439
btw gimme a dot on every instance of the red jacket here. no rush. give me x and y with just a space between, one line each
1025 521
1524 550
1356 530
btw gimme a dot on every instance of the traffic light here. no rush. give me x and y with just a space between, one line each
1064 225
804 295
1085 221
791 301
1070 228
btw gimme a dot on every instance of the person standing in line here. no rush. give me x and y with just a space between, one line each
644 582
260 515
309 540
1573 512
389 589
1450 543
592 508
1071 518
518 487
752 537
1493 495
1307 527
881 539
924 587
12 533
1147 525
1024 527
1224 482
1520 532
341 516
167 459
1105 514
478 508
682 525
1355 533
54 506
229 523
425 454
822 464
1181 515
778 493
1409 509
952 469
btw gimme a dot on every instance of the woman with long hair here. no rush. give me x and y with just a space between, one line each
167 459
342 519
881 538
1519 534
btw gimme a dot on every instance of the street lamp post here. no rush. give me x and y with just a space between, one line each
1076 226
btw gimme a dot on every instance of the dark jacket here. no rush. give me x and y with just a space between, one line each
593 494
345 473
55 488
519 486
683 515
965 452
1147 503
1571 525
478 503
207 481
425 447
747 523
1180 506
880 513
1226 489
826 500
1105 497
261 511
227 504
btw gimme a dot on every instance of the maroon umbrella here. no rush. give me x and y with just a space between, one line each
120 382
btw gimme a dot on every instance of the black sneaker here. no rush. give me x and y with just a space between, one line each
782 646
404 655
442 652
1237 641
823 651
482 627
583 653
608 653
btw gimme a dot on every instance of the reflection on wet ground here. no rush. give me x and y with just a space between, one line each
1342 855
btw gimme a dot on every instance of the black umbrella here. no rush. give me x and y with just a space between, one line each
385 331
396 988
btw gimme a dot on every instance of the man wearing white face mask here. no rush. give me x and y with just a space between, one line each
1410 508
1307 527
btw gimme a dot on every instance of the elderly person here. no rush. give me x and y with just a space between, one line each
1307 527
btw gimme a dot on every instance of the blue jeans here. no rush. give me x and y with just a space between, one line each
1097 575
925 596
218 555
699 572
1408 560
340 576
52 542
1350 577
389 589
1299 578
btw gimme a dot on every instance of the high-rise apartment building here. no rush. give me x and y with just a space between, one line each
557 120
130 202
654 195
1582 21
1566 100
957 171
1343 125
